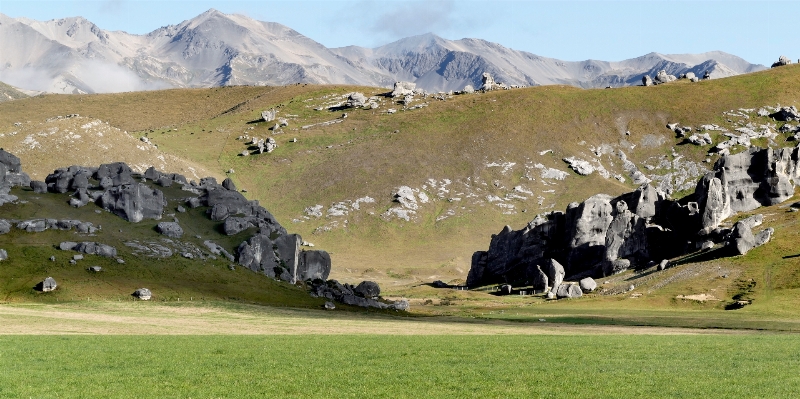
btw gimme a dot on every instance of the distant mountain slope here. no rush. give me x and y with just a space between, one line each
72 55
8 93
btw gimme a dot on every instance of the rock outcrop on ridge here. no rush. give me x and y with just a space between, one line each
603 235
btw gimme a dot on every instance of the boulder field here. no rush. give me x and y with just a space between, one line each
605 235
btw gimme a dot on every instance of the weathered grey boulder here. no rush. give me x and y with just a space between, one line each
269 115
314 265
65 179
39 187
402 89
368 289
700 139
505 289
356 100
689 75
95 269
742 239
11 174
580 166
763 236
49 284
235 225
647 80
468 89
488 82
134 202
329 305
228 184
5 226
170 229
587 285
143 294
663 264
119 173
3 255
539 279
568 291
33 226
663 77
258 255
555 273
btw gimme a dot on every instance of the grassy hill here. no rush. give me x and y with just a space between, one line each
471 140
8 93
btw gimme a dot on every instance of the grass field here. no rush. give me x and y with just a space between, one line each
358 366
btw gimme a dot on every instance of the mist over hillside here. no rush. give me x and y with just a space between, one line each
73 55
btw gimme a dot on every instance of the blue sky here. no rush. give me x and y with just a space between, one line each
758 31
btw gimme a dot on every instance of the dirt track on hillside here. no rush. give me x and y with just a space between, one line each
152 319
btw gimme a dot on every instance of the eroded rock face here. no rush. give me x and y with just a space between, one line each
568 291
587 226
134 202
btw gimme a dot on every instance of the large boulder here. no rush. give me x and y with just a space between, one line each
567 290
488 82
402 89
3 255
170 229
587 285
90 248
555 273
368 289
134 202
5 226
235 225
49 284
39 187
314 265
741 239
539 280
647 80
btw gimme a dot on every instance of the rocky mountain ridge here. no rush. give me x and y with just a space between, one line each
73 55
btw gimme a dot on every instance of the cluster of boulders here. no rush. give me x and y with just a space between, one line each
359 100
365 294
782 60
261 145
607 235
663 77
116 188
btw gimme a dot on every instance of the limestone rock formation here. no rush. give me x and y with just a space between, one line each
3 254
488 82
605 235
134 202
647 80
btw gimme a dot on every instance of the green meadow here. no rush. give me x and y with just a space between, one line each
384 366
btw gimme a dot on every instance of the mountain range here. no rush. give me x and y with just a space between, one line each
73 55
